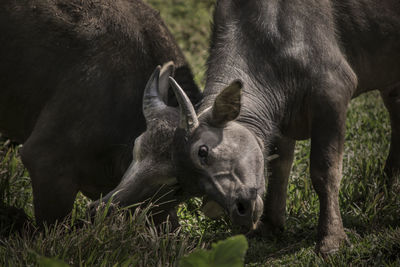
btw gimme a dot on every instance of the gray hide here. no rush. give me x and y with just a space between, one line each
151 176
300 63
71 85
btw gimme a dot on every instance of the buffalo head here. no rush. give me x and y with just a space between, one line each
151 174
218 158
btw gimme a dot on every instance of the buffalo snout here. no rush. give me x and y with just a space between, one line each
246 209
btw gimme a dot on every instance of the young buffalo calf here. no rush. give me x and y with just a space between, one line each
281 71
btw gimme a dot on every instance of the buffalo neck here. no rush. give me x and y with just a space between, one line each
235 57
260 105
267 45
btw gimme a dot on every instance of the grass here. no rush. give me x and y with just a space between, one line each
189 21
371 212
121 238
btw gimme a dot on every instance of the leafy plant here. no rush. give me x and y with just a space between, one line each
226 253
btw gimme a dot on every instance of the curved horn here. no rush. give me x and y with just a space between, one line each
152 102
166 70
188 117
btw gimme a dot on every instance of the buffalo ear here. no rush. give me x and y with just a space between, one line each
227 104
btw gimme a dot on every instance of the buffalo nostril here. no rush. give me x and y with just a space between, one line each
241 208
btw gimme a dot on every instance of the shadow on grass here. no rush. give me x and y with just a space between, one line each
377 248
287 243
12 220
371 222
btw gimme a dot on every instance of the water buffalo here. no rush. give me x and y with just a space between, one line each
281 71
72 79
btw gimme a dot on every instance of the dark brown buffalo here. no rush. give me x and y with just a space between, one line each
71 85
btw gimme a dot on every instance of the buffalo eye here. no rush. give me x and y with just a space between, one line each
203 153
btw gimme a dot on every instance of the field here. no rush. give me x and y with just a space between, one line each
371 212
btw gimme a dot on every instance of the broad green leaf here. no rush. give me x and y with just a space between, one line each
199 258
231 252
226 253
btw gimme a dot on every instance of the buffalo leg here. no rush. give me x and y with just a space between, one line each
52 182
327 139
275 203
391 98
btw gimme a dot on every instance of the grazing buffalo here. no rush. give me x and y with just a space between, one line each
281 71
72 79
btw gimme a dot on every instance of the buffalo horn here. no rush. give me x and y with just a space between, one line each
152 102
188 117
163 85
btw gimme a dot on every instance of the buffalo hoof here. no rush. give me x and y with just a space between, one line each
330 244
